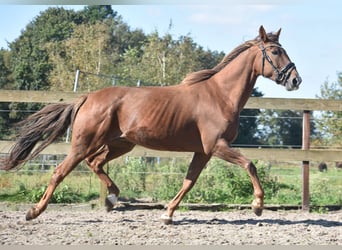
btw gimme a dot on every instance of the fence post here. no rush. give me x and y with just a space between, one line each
114 81
306 164
77 76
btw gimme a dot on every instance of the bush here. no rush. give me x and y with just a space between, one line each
231 184
218 183
138 178
322 193
63 194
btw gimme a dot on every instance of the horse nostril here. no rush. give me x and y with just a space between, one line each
294 82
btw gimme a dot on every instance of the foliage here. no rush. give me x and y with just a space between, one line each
329 123
97 41
281 127
94 13
30 59
222 183
63 195
165 61
86 50
31 51
5 72
30 185
323 187
161 181
137 181
231 184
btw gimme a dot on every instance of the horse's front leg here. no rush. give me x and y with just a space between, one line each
223 151
196 166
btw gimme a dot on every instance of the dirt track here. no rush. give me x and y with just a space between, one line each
82 226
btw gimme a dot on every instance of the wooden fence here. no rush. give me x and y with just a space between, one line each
303 155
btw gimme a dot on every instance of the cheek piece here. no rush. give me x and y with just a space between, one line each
282 74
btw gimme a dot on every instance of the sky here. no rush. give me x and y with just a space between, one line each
311 30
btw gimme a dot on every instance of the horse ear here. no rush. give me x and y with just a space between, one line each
278 34
262 34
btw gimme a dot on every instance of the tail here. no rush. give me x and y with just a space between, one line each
46 125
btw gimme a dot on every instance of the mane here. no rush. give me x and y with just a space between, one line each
205 74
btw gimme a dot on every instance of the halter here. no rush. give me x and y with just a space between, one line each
284 73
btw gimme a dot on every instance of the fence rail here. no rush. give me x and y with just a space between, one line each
253 102
271 154
267 154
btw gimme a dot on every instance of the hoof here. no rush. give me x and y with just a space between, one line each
257 211
257 207
32 213
109 206
110 201
167 220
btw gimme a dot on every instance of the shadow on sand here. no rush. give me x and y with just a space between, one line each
215 221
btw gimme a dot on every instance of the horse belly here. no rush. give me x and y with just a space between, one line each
187 140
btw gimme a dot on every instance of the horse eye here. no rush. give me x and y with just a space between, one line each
275 52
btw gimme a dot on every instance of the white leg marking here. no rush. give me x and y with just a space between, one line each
112 198
165 217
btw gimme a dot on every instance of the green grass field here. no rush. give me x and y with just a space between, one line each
218 183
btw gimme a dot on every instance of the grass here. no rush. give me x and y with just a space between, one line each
218 183
325 187
29 186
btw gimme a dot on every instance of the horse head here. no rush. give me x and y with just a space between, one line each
275 63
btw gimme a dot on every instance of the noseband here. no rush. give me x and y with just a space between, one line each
284 73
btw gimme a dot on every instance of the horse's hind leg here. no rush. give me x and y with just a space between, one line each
62 170
98 159
196 166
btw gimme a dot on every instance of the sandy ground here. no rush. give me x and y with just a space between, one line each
82 226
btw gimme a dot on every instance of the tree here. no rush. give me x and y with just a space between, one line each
95 47
155 63
31 65
86 50
94 13
282 128
5 80
166 61
5 72
329 123
30 60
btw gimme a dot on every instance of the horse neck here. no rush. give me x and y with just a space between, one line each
236 80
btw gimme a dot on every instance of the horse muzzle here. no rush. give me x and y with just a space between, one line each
289 77
292 83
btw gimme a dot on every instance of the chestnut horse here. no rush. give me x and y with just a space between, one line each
200 115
